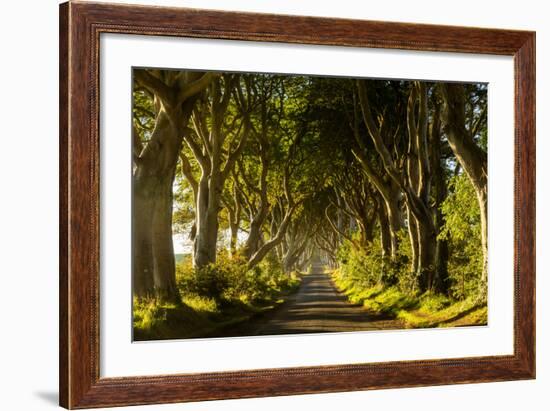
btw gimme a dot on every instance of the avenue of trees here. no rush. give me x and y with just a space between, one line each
385 181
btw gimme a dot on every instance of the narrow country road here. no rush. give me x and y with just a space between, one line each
316 307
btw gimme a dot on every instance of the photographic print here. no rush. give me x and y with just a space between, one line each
272 204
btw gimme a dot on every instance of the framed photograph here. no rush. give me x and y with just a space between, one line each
259 205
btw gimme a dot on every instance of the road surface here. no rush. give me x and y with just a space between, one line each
316 307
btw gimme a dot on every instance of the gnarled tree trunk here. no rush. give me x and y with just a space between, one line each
216 162
154 266
470 156
441 281
415 185
154 171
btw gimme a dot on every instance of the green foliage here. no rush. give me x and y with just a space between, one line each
439 311
432 302
415 311
366 267
387 289
229 282
219 281
462 231
161 320
391 301
213 297
270 272
144 115
372 280
305 132
461 210
361 268
200 304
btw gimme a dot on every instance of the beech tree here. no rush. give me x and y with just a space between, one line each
155 158
462 136
219 137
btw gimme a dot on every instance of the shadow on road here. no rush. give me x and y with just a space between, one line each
317 307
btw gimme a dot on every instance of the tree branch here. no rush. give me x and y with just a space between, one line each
155 86
188 173
197 152
196 87
337 230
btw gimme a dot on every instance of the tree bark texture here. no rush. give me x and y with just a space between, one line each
470 156
154 172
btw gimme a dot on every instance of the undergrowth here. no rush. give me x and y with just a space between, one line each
213 297
415 310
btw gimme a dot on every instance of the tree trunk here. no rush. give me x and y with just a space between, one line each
253 240
412 227
207 227
234 211
426 255
211 157
142 241
163 247
153 177
441 281
340 219
154 267
273 242
394 219
482 200
470 156
255 234
385 236
234 238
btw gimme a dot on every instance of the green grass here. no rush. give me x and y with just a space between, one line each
195 317
158 321
199 316
416 311
201 304
390 302
453 314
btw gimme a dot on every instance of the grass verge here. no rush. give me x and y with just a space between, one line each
199 316
416 311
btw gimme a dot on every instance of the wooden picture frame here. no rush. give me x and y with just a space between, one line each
80 27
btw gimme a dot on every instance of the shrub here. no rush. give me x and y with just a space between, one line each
220 281
462 231
366 267
228 281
